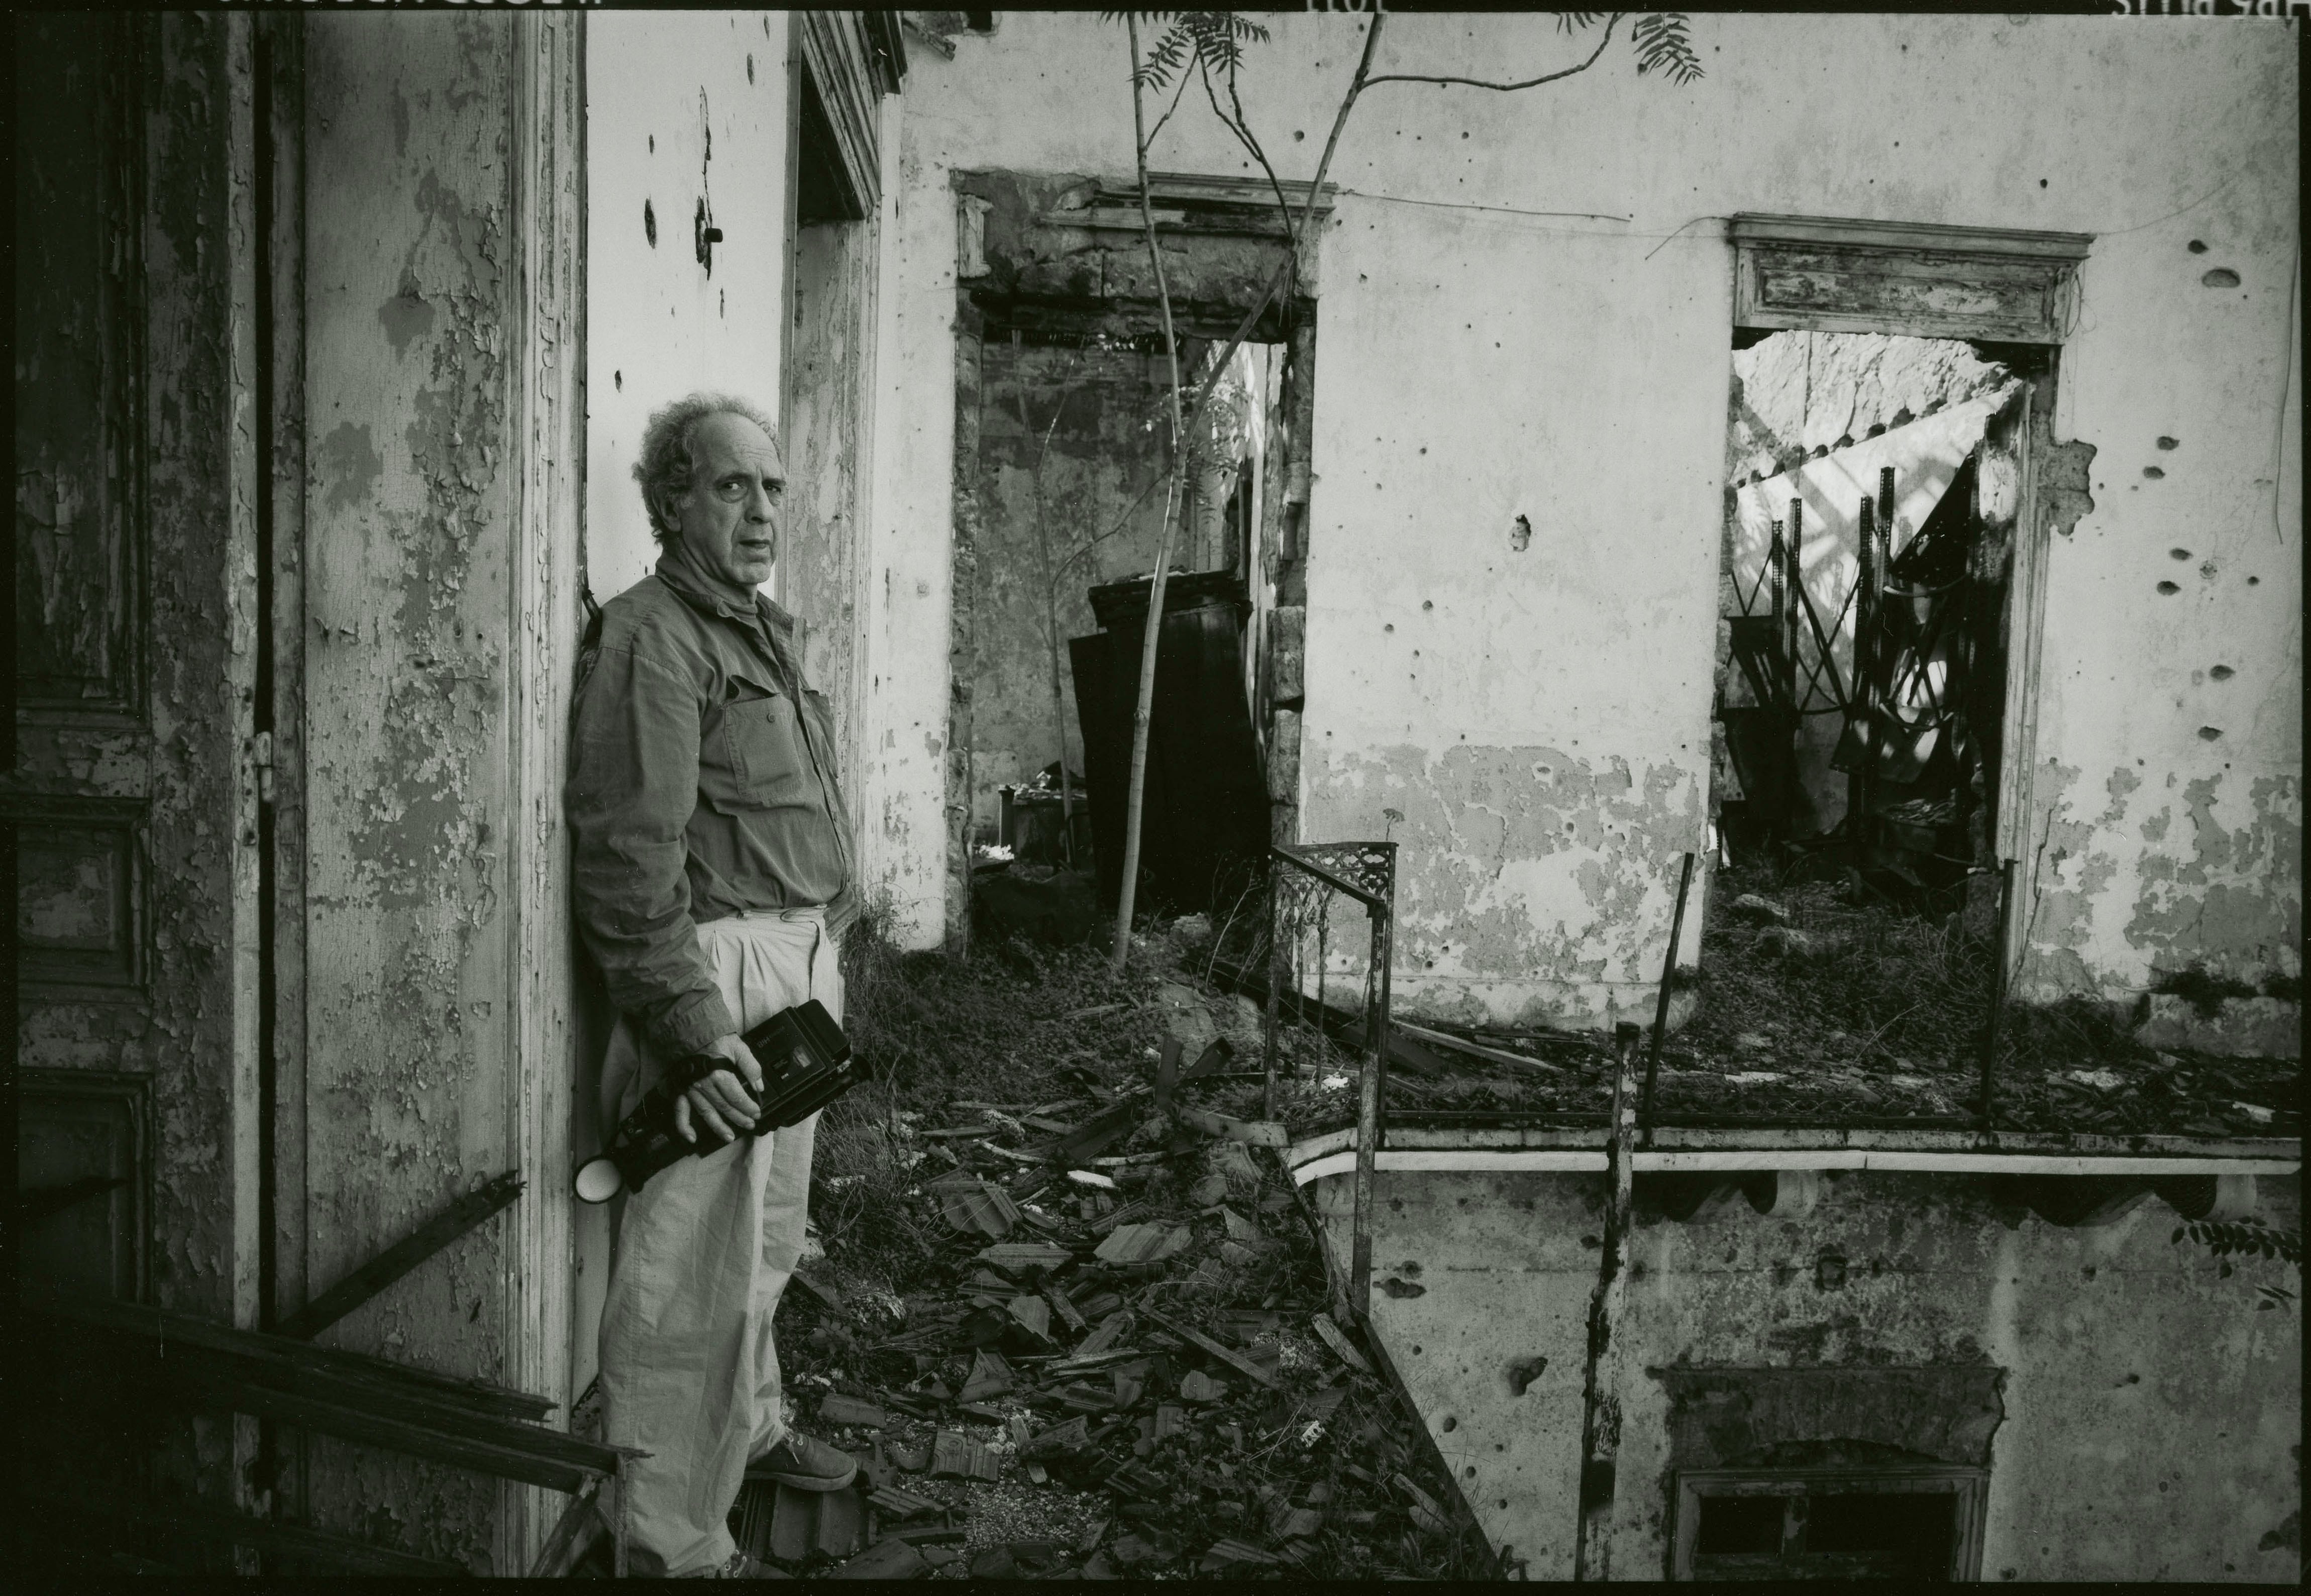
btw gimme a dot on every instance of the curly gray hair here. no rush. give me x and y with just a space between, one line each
668 467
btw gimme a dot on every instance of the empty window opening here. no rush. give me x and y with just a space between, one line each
1908 1524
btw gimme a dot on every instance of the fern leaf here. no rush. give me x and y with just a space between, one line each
1568 20
1663 45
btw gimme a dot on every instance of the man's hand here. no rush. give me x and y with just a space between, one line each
725 1101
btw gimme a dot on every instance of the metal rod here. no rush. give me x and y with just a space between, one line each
1600 1406
1275 984
2006 870
1661 1008
1368 1090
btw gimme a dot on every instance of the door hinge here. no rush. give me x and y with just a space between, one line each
260 756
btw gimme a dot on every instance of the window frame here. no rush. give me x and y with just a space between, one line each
1970 1488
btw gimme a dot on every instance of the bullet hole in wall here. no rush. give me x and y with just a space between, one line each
2168 443
2179 553
2153 473
2210 733
2169 589
2221 277
1520 535
653 144
1297 135
618 380
2196 246
750 66
2222 672
649 224
2253 581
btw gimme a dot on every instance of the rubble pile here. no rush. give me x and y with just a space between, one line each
1082 1331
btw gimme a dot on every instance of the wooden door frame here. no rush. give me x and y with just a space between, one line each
1822 274
545 621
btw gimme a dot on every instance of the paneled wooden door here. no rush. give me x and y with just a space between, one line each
131 787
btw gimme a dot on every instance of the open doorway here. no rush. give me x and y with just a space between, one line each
1072 477
1866 634
1873 489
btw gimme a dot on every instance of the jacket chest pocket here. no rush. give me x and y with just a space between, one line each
756 759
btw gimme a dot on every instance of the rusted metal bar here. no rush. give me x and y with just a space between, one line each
2006 872
465 1214
1865 616
1275 984
1601 1405
1661 1008
1368 1095
1793 582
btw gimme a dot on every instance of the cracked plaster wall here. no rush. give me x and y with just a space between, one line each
2145 1422
411 317
1478 366
681 107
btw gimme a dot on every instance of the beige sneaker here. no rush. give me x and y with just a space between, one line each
806 1464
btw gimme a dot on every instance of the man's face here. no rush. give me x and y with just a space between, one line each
729 518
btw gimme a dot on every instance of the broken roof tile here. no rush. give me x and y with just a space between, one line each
1142 1243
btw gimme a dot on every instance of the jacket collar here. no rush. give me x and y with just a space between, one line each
677 574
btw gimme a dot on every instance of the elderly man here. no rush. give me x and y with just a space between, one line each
713 877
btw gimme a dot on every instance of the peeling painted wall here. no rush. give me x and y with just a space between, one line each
1564 356
2144 1427
682 109
410 324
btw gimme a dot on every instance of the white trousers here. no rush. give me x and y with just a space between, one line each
689 1370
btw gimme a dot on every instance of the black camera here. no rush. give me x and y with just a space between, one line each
805 1061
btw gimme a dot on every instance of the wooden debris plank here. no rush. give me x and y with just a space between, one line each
1426 1512
1114 1217
1477 1050
1065 1308
375 1375
1102 1130
414 1439
1330 1335
1233 1359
